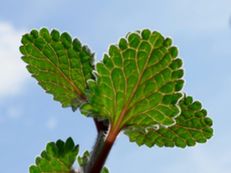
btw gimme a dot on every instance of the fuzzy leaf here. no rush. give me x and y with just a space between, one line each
57 158
138 83
61 65
192 126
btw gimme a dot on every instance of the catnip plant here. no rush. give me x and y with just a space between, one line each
136 89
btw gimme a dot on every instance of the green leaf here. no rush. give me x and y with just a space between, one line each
61 65
138 83
105 170
82 160
192 126
57 158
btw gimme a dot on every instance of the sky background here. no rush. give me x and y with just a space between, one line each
29 117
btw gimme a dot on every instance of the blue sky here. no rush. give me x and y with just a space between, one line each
29 118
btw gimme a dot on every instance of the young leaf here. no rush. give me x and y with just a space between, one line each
105 170
191 126
138 84
83 161
61 65
57 158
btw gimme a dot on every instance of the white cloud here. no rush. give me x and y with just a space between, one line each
12 69
51 123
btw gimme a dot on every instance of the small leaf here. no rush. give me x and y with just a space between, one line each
192 126
138 83
82 160
61 65
57 158
105 170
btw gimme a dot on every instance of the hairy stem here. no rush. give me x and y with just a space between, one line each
101 125
100 151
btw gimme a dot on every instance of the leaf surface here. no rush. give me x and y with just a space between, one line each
192 126
59 64
57 158
138 83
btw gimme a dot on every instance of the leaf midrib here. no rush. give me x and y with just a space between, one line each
129 118
119 124
76 89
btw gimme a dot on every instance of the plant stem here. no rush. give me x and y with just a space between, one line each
101 125
100 151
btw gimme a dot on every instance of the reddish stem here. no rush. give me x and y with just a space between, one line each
100 151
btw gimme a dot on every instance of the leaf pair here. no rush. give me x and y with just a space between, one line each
138 85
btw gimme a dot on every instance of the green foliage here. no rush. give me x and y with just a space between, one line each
57 158
136 88
61 65
191 126
138 83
